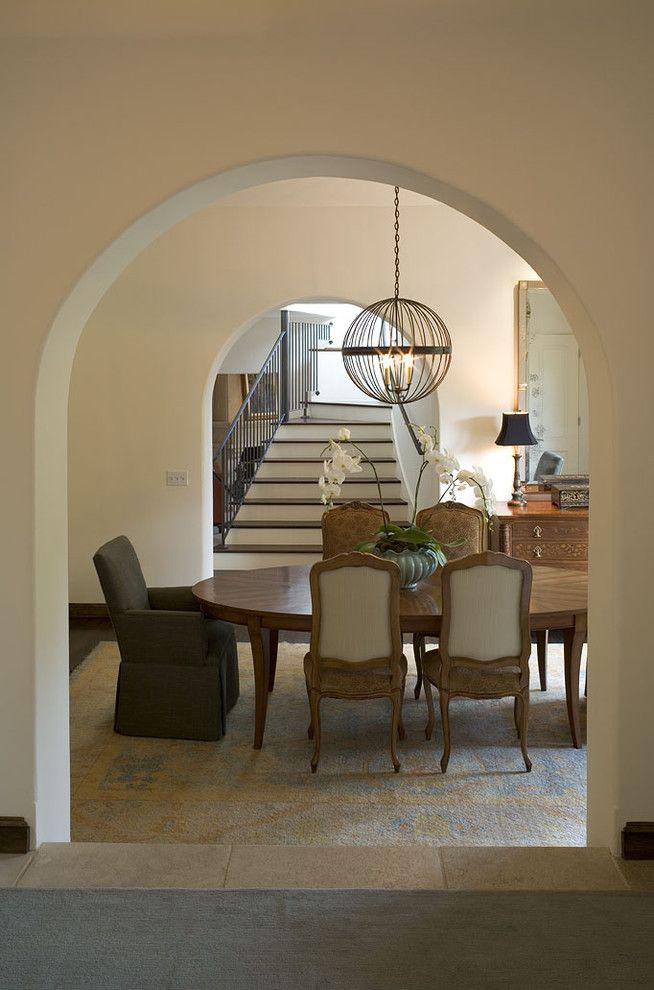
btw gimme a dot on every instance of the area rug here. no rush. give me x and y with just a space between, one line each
315 940
128 789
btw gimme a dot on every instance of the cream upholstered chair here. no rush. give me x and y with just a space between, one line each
484 641
356 643
344 526
450 522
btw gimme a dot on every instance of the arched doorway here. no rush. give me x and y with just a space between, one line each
51 699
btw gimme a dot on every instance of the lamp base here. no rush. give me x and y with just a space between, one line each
517 496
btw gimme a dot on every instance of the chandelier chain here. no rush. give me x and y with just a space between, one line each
397 242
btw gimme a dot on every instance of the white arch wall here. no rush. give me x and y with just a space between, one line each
135 406
530 123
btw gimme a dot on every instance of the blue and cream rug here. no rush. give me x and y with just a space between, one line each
127 789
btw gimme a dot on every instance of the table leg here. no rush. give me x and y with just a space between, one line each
573 641
541 648
272 636
261 660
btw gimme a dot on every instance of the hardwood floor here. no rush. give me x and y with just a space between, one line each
84 635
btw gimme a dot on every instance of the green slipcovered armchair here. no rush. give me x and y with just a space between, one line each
178 674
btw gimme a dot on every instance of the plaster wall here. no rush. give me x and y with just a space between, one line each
531 119
136 404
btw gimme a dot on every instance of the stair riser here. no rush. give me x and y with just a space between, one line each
301 513
318 431
287 537
353 414
251 561
351 489
315 449
313 470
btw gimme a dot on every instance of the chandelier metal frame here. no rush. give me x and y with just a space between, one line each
397 350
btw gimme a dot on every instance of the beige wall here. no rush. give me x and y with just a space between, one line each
530 118
137 389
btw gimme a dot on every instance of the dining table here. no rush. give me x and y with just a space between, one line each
267 600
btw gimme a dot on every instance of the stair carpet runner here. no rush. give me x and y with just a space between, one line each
279 521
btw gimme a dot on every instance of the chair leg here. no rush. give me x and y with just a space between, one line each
418 648
310 731
314 702
429 728
516 714
541 649
401 732
524 718
444 697
396 702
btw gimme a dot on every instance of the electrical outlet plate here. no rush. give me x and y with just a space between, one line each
177 478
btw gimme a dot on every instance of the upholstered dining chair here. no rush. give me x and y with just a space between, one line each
178 674
356 643
450 522
484 642
344 526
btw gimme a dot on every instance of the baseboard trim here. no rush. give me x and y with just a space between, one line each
14 835
88 610
638 840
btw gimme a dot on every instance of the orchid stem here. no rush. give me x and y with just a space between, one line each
374 470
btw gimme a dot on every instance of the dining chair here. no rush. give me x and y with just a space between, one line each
485 640
356 643
344 526
450 522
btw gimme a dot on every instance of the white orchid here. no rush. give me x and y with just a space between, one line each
330 490
425 439
340 463
454 478
334 473
345 462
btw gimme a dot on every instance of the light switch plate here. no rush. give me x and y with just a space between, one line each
177 477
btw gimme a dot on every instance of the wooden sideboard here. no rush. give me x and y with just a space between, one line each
542 534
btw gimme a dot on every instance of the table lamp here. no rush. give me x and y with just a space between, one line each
516 432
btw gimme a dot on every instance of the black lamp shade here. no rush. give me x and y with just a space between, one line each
515 431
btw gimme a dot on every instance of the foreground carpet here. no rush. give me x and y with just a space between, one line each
407 940
127 789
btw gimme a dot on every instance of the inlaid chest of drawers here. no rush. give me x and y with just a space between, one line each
543 534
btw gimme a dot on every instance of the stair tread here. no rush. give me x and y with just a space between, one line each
317 421
280 524
316 501
355 405
283 479
309 440
272 548
319 460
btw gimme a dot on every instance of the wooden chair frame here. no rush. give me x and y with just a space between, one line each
392 663
448 663
424 519
336 512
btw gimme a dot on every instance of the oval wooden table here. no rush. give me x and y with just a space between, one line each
275 598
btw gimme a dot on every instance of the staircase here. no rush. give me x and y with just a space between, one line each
279 521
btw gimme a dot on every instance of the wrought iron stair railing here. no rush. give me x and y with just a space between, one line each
285 384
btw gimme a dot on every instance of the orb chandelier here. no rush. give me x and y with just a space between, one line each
397 350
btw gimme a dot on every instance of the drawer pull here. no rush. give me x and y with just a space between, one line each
538 551
538 532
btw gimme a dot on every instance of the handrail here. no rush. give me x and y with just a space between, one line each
248 397
283 385
407 423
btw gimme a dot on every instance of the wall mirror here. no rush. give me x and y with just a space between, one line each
550 380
